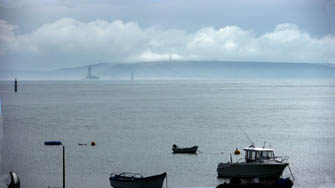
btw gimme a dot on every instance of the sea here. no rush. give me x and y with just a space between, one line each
135 123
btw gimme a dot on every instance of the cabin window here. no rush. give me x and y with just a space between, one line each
265 154
253 156
258 155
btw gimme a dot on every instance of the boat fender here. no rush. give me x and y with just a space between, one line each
237 151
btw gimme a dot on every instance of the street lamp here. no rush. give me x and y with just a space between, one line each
55 143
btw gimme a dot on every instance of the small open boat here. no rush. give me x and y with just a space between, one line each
133 180
52 143
14 180
177 149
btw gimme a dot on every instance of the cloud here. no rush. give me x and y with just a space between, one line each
33 3
7 37
69 42
149 56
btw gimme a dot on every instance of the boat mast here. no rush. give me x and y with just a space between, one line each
245 134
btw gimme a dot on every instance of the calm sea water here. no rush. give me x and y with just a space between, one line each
135 124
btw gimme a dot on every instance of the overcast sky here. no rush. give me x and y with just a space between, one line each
48 34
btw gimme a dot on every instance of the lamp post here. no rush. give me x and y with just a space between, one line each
53 143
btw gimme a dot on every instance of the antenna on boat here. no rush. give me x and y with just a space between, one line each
245 134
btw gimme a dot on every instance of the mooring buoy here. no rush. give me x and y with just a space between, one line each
237 151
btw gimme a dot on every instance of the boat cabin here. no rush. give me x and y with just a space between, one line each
253 154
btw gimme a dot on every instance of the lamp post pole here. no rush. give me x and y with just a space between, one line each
63 166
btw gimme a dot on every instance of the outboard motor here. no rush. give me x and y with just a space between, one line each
14 180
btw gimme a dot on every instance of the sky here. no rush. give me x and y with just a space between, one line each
51 34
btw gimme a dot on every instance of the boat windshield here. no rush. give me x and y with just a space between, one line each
267 154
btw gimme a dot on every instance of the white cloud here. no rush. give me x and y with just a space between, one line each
149 56
7 37
69 40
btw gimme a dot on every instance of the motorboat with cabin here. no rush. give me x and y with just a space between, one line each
257 163
134 180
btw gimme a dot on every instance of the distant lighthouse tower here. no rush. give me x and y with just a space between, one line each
90 76
89 71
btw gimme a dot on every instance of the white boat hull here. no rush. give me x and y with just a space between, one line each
251 170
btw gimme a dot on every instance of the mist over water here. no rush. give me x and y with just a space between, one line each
135 124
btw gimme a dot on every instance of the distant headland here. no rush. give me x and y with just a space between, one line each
228 70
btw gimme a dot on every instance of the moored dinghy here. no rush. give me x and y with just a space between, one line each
52 143
133 180
14 180
177 149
